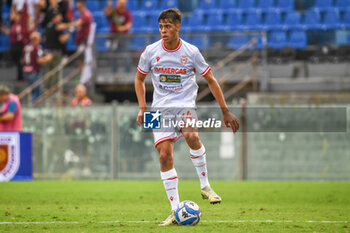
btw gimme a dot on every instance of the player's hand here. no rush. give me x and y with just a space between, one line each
231 121
139 119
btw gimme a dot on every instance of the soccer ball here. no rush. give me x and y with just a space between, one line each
187 213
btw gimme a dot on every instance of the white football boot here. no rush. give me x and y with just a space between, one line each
170 220
208 193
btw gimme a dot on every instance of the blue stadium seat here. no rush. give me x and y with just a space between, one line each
342 5
4 43
312 20
348 40
93 5
5 11
331 20
133 5
71 46
227 5
138 43
272 21
252 22
234 21
346 19
155 39
323 5
101 44
185 38
207 4
149 5
101 21
292 21
285 5
76 14
169 4
266 5
237 41
195 21
153 22
298 39
277 40
214 22
139 23
246 5
259 38
185 27
198 42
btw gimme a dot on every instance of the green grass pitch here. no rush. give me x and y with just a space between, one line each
92 206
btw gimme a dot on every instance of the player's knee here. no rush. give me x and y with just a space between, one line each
192 139
165 157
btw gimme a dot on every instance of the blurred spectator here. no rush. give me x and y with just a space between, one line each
120 18
84 39
31 6
54 43
80 97
83 23
18 38
121 21
51 6
1 3
10 112
32 58
80 145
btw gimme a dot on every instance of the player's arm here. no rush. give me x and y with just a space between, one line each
8 116
125 27
230 120
45 59
64 26
141 96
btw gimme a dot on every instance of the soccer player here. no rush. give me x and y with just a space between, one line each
168 56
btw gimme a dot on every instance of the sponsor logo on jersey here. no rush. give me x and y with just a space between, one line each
183 60
170 70
172 87
170 78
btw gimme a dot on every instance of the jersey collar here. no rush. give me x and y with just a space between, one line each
172 50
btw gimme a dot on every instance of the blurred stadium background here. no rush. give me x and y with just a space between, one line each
265 53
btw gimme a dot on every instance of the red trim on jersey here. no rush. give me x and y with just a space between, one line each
201 165
172 178
196 157
206 71
164 139
141 71
172 50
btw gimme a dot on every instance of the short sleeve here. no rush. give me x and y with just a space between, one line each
200 64
12 107
129 18
144 63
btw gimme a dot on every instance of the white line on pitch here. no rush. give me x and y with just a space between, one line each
207 221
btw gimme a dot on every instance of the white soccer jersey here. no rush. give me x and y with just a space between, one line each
173 73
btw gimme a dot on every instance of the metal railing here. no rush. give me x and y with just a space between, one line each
247 79
27 91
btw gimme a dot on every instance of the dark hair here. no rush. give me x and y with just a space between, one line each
171 14
81 1
4 90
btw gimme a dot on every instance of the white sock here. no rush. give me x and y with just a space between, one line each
170 182
200 163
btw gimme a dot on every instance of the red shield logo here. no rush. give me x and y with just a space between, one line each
157 58
183 60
